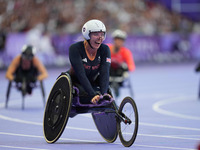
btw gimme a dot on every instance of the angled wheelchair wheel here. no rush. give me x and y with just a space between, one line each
128 128
57 108
43 92
8 93
106 125
24 91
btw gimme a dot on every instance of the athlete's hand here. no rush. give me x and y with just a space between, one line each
108 96
95 99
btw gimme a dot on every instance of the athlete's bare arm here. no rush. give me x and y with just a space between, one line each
12 68
42 70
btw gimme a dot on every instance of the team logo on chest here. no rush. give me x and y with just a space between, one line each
99 58
84 59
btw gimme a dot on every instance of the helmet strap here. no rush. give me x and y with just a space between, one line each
90 44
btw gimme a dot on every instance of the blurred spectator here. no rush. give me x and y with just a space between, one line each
64 19
69 15
2 40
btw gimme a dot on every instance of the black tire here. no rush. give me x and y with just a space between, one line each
57 109
8 93
129 109
43 92
24 91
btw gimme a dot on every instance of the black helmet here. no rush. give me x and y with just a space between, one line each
28 52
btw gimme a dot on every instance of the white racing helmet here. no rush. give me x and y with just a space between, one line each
93 26
119 34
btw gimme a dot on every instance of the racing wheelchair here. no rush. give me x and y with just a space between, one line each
63 103
119 77
25 87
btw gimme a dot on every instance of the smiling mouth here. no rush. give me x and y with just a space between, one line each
97 42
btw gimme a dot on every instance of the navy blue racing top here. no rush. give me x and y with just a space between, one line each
86 70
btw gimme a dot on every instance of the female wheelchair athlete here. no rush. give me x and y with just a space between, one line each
110 120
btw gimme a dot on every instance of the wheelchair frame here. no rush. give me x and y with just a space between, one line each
63 102
23 91
125 80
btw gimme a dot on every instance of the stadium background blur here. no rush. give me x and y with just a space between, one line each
159 31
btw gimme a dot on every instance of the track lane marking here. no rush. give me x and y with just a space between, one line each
156 107
16 147
91 141
92 130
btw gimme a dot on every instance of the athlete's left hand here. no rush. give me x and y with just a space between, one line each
95 99
106 94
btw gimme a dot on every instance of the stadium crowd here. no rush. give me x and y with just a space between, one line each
140 17
50 25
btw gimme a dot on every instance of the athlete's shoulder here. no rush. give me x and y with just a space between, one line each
76 47
125 49
77 44
104 50
105 47
109 44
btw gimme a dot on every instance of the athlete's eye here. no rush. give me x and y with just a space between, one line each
98 34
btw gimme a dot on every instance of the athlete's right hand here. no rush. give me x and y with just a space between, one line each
95 99
11 77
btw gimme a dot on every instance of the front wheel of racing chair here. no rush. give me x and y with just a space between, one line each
128 127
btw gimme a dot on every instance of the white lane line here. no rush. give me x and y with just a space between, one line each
164 147
170 137
155 125
93 130
20 120
168 126
37 136
179 135
39 124
16 147
156 107
91 141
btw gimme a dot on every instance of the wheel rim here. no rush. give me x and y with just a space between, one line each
127 129
57 109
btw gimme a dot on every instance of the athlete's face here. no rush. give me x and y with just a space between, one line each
118 42
96 39
26 64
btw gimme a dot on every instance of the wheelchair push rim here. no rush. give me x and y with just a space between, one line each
57 109
128 125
